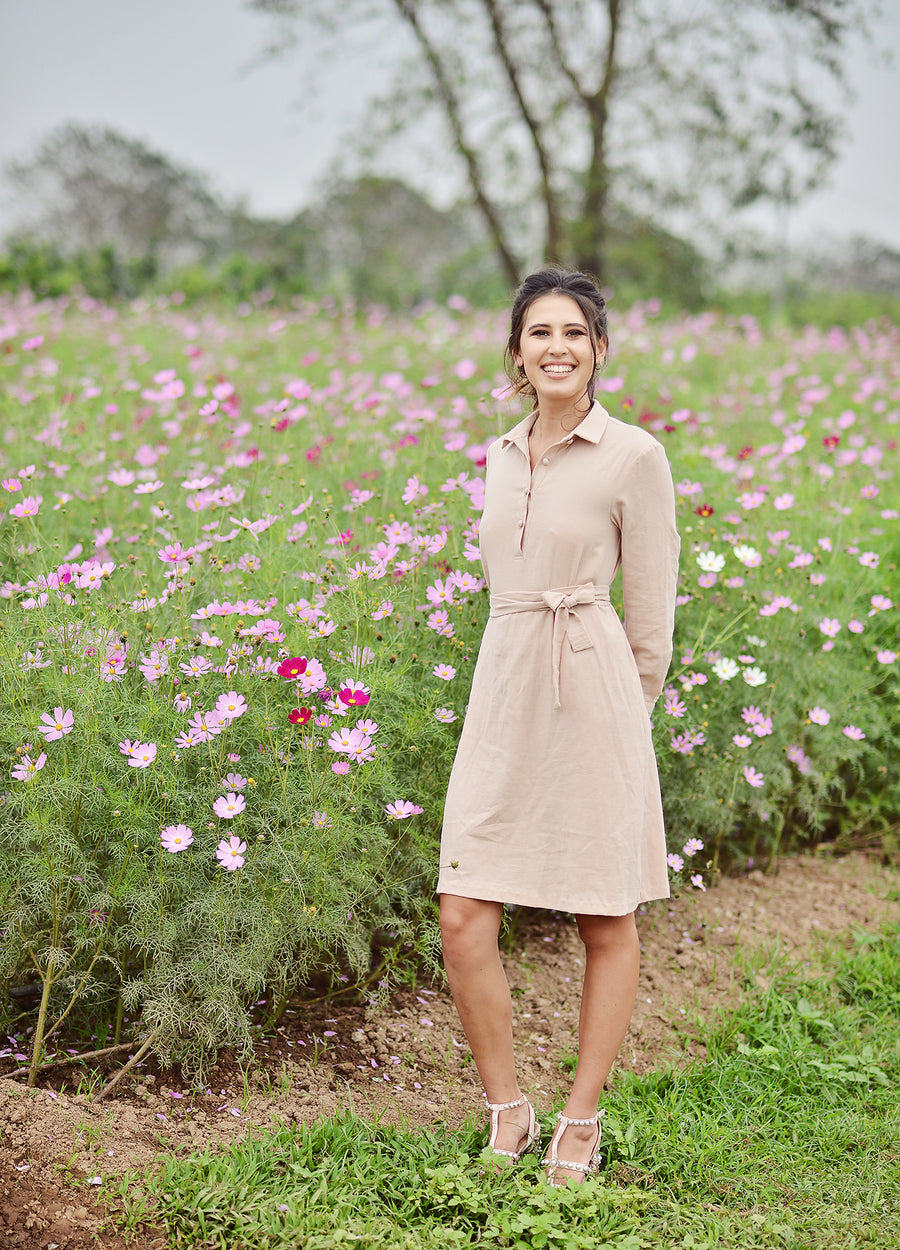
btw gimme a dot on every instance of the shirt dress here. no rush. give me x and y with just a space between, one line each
554 797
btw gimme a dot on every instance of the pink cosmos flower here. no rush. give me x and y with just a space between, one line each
752 777
400 809
886 657
675 862
445 715
321 820
673 706
234 781
341 740
691 847
798 756
230 853
446 672
231 705
142 754
697 882
55 726
26 768
174 553
414 490
830 627
851 731
385 608
340 767
741 740
227 806
819 716
30 506
176 838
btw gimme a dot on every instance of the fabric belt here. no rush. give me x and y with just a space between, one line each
563 603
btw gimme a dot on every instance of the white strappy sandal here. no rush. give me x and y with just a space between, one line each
552 1160
531 1133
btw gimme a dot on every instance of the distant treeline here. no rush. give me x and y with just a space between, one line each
103 214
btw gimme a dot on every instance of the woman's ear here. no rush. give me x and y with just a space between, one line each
517 360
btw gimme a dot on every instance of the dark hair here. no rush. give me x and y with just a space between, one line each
583 289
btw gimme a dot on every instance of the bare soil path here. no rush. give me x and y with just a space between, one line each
60 1154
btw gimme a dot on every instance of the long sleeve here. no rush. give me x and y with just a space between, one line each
644 511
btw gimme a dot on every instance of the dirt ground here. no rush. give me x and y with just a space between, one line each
60 1154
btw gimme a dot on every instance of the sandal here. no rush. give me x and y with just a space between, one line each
532 1133
552 1161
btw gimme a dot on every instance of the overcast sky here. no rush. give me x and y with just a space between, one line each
180 75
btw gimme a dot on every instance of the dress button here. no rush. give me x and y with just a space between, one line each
546 460
521 523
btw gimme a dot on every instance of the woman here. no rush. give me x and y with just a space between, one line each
554 796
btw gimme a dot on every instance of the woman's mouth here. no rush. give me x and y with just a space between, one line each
558 370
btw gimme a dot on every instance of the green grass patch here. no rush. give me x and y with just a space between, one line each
786 1135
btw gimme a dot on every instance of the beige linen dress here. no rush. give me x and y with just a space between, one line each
554 796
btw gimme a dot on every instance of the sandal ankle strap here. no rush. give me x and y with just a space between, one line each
506 1106
567 1119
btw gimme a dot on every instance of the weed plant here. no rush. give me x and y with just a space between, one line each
241 601
784 1136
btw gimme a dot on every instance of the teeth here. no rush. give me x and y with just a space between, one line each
558 368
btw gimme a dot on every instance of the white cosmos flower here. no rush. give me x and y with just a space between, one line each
755 676
711 562
725 669
748 556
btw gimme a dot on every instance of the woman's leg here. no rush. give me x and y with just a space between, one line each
469 930
612 962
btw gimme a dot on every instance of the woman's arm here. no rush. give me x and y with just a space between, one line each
645 515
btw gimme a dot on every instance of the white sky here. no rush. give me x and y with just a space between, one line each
179 74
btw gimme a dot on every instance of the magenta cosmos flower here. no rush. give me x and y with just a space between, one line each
176 838
227 806
292 668
55 726
230 852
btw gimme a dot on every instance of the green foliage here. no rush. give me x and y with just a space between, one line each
189 497
785 1135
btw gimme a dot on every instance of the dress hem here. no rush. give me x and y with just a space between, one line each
574 909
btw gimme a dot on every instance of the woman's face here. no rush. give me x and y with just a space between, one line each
555 350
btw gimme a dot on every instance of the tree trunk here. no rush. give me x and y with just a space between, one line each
508 261
590 235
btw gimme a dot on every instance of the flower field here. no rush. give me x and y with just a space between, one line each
241 603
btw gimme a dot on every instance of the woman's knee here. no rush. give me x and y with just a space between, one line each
606 933
468 923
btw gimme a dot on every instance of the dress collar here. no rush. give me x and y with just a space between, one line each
590 428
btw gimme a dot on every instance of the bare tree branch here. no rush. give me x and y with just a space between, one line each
408 10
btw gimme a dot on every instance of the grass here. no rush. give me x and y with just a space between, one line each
785 1136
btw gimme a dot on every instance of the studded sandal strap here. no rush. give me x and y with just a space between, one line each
506 1106
567 1119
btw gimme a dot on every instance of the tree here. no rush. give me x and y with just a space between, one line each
87 188
583 105
381 240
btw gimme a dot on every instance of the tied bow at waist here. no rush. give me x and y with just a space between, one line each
563 603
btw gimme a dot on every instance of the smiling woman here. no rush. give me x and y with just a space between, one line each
554 799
